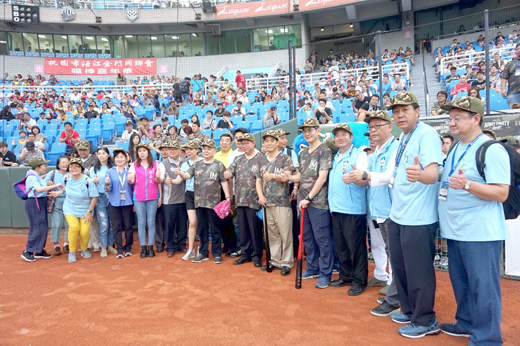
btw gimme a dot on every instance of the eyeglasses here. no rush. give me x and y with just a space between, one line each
455 121
376 127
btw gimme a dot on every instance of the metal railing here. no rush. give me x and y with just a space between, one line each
469 58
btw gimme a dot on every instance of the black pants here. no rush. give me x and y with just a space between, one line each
160 227
229 237
122 219
176 226
413 252
350 240
207 218
251 238
38 225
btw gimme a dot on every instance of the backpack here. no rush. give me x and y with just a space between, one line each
20 188
512 203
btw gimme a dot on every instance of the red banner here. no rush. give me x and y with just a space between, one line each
252 9
312 4
99 67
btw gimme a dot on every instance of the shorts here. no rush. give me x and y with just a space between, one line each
190 200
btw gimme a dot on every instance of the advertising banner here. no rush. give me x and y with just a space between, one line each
99 67
252 9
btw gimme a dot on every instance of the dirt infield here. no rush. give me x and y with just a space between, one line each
166 301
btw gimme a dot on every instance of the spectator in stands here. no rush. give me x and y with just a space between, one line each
211 101
8 157
324 113
30 151
196 135
474 92
220 111
462 86
442 99
387 85
240 80
156 139
91 113
26 123
494 77
238 110
367 109
128 132
209 123
31 137
480 83
46 104
358 101
135 139
144 129
511 77
6 113
271 118
172 136
453 75
398 84
470 74
69 136
185 130
226 122
23 137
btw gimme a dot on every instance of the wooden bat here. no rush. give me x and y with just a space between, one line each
268 249
298 284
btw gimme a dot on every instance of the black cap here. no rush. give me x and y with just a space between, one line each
29 145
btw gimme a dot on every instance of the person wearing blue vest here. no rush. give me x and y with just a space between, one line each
347 203
472 220
413 218
380 171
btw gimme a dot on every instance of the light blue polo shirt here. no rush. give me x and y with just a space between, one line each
415 204
464 216
102 174
58 178
189 183
32 182
79 196
294 157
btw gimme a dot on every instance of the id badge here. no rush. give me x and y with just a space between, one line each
517 73
392 180
123 195
443 192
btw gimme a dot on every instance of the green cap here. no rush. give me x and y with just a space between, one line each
164 145
37 161
491 132
467 103
143 145
247 137
383 115
209 143
310 122
77 161
175 145
511 140
345 127
271 133
191 144
83 145
282 132
404 98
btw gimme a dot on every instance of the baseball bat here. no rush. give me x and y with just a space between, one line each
268 249
298 284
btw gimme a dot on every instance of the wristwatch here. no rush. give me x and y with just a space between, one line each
308 198
89 210
467 185
365 175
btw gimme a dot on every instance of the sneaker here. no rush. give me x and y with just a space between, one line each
384 309
380 300
218 260
42 254
310 275
28 257
189 255
444 262
200 258
384 290
322 282
335 271
436 260
72 257
57 251
236 253
112 251
454 330
376 282
414 331
399 317
120 255
85 254
103 253
96 249
66 248
128 253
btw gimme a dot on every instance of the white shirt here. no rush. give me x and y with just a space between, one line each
126 135
334 71
29 124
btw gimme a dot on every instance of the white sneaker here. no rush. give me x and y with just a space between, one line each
85 254
188 255
72 257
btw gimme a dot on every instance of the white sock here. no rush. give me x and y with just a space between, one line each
65 243
56 245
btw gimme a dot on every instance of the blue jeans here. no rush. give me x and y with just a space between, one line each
106 235
186 98
475 276
58 221
513 98
317 238
145 212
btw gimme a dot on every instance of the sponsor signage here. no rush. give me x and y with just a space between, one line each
252 9
314 4
100 67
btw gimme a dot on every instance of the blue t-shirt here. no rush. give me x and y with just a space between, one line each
58 178
101 173
294 157
387 87
79 196
189 183
196 85
415 204
32 182
464 216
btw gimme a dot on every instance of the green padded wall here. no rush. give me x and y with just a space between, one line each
5 198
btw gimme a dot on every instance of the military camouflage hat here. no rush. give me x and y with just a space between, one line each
83 145
77 160
175 145
143 145
310 122
282 132
404 98
383 115
271 133
191 144
37 161
511 140
164 145
247 137
209 143
467 103
491 132
345 127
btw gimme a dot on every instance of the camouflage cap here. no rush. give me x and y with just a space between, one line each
209 143
119 150
175 145
247 137
404 98
83 145
345 127
310 122
164 145
511 140
282 132
76 160
191 144
143 145
467 103
491 132
383 115
37 161
271 133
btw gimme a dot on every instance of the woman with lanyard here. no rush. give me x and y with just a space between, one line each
120 203
192 151
145 175
58 219
78 208
101 166
35 208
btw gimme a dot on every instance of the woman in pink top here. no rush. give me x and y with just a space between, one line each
145 175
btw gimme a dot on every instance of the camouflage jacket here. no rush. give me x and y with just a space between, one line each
276 193
207 179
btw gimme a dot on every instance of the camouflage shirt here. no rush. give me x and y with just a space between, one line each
244 170
178 139
310 166
276 193
157 141
207 178
200 137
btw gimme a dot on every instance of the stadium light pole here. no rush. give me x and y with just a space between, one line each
486 40
291 96
294 78
380 53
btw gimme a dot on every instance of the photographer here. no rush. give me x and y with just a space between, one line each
323 113
26 123
271 118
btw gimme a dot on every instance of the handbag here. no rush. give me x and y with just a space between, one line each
51 201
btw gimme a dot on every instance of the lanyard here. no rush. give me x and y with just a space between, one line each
402 147
453 164
122 181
